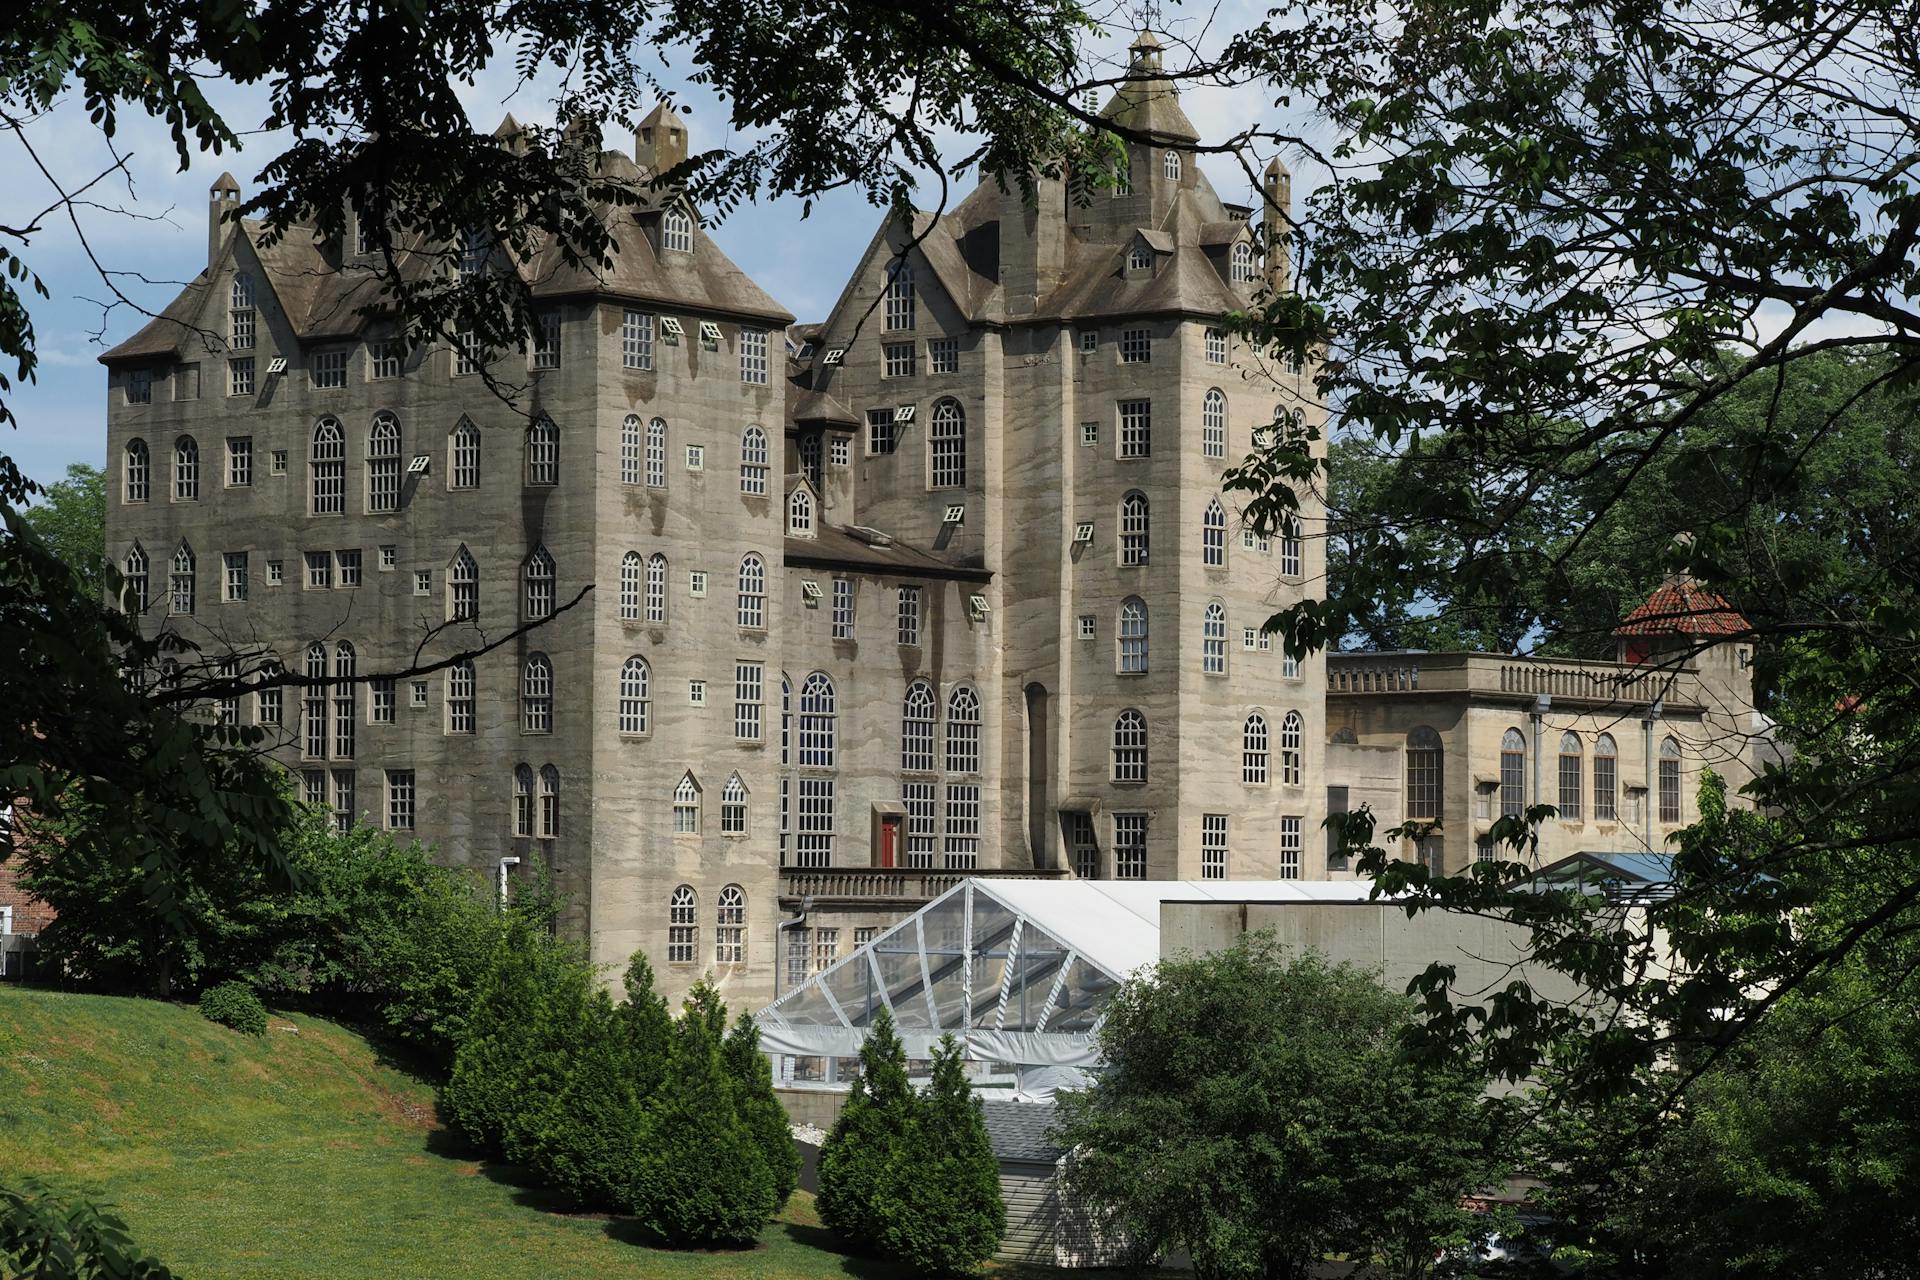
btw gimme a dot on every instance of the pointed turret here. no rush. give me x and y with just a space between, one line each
223 203
1148 103
661 141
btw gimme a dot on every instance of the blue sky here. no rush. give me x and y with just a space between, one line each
149 222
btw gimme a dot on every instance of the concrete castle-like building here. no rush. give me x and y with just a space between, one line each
946 584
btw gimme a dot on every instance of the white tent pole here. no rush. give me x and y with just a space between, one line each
926 975
1006 976
1053 996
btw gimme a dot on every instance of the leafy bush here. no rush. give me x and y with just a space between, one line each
233 1004
940 1207
45 1235
760 1107
855 1158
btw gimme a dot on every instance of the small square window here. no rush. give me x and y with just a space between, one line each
1089 627
1089 433
423 582
388 555
841 450
697 693
140 386
383 360
943 355
670 331
417 697
329 369
1089 341
1266 643
709 336
1136 346
697 583
696 457
1247 638
898 359
276 573
279 462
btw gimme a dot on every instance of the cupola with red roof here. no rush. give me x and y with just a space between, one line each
1679 613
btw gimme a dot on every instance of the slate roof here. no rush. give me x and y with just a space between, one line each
1018 1130
1679 607
833 547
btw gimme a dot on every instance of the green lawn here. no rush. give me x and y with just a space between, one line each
302 1154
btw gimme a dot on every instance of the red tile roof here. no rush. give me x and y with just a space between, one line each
1681 608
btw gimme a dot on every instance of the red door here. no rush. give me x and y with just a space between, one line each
889 840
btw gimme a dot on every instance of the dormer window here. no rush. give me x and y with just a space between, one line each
1243 263
1170 166
677 231
800 513
1140 258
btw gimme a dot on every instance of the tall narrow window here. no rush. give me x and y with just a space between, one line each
241 317
1572 767
549 802
630 587
751 607
1134 528
536 695
1669 780
1130 747
343 709
1291 846
1253 750
656 588
181 583
918 798
730 921
1213 535
1606 779
401 793
543 452
463 587
800 514
383 465
636 340
1513 774
460 697
916 729
137 473
135 594
947 438
1213 424
635 706
327 468
1243 262
1133 636
963 826
1136 428
313 704
817 720
753 462
1292 739
749 682
843 608
880 431
908 615
963 731
539 581
523 800
1424 774
657 454
186 469
1086 846
900 296
1290 549
813 842
677 231
733 807
1213 640
630 450
1170 165
1130 846
546 340
753 357
683 926
464 473
1213 846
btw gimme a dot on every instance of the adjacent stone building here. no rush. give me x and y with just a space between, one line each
755 634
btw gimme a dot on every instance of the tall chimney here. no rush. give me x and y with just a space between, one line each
1277 221
223 206
661 141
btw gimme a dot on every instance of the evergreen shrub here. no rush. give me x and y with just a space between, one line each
233 1004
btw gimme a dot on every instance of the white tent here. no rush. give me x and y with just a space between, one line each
1020 971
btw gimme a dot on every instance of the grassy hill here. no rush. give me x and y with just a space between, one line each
301 1154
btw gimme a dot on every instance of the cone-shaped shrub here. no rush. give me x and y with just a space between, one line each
645 1025
481 1093
760 1107
940 1208
701 1179
560 1025
855 1157
590 1135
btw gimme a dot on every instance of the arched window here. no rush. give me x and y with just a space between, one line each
800 514
1513 773
1669 780
523 800
383 465
464 470
1290 547
630 586
683 926
543 452
1140 257
536 695
186 470
313 703
657 454
753 462
1213 535
460 697
963 731
733 807
656 587
134 597
1130 747
635 706
1213 424
1292 734
786 718
900 296
630 450
1424 776
1243 268
916 728
549 802
947 439
240 313
1213 640
539 576
686 806
1133 528
817 715
1133 636
1170 165
180 585
1572 766
137 472
463 587
343 717
730 921
1606 779
751 610
1253 750
677 232
327 468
